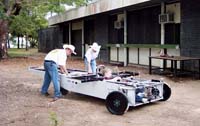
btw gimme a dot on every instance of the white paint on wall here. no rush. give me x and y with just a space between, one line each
113 54
155 52
117 54
176 10
133 55
170 52
121 55
173 52
144 56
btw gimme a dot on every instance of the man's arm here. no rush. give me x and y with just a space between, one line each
89 68
63 69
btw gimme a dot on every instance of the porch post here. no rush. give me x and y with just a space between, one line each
162 33
70 30
82 42
125 38
162 24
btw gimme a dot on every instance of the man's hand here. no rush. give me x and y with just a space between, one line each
63 70
89 70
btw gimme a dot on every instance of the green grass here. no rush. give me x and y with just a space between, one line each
21 52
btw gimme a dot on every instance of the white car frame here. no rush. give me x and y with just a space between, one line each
120 92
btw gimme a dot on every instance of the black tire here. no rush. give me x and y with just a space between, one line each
166 92
117 103
63 91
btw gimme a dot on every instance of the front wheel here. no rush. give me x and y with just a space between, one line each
117 103
166 92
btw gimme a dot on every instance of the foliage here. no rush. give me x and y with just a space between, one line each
54 119
2 14
31 16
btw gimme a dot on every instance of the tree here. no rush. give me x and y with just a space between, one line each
25 17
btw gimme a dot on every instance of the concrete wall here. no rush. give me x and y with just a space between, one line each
141 55
92 9
144 28
189 33
174 8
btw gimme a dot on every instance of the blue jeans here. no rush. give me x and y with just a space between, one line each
51 74
93 65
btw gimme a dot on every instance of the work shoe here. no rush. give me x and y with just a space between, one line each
56 98
45 94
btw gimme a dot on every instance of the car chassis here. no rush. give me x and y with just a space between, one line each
120 92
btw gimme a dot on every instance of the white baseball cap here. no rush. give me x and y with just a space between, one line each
95 46
71 47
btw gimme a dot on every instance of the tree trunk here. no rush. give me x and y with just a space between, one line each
22 42
18 41
8 43
3 38
4 30
26 43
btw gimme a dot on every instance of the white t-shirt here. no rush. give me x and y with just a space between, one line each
91 55
59 56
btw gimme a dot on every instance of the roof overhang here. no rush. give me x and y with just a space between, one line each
92 9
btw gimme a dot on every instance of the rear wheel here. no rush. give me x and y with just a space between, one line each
63 91
166 92
117 103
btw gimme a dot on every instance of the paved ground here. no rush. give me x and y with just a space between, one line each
22 105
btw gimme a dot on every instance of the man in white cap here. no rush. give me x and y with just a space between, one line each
90 58
55 59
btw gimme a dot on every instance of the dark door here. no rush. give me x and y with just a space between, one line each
77 41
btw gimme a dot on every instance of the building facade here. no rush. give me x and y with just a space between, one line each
129 31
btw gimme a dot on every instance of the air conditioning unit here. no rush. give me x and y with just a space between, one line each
166 18
118 24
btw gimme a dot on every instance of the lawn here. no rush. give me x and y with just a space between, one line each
21 52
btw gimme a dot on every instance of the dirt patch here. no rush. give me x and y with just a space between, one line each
22 105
